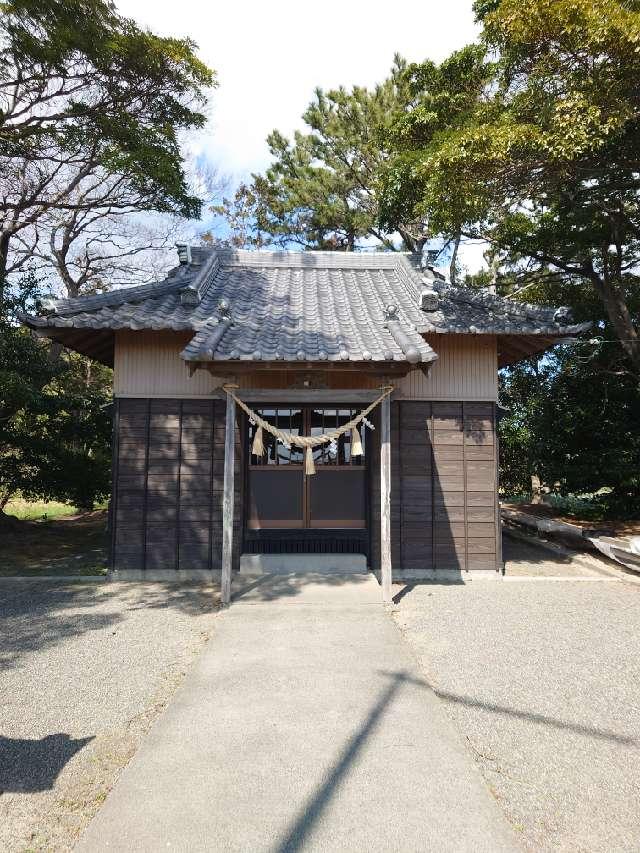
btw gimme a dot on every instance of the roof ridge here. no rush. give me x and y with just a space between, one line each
311 259
485 298
178 279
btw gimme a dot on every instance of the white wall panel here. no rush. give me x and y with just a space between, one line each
466 369
148 364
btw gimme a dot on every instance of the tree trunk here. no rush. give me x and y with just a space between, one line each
453 272
536 489
411 243
4 259
618 312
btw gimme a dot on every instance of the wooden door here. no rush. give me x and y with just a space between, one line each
283 497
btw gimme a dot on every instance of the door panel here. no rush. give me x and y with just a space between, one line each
336 498
275 498
282 496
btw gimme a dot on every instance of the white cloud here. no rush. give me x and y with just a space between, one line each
270 56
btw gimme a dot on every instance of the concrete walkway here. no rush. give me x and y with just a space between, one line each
305 725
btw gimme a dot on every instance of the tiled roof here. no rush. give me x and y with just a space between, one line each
312 306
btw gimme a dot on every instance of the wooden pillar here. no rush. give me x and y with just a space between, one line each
385 498
227 501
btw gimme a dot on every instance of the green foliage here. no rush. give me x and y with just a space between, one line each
572 420
322 189
531 141
54 415
91 110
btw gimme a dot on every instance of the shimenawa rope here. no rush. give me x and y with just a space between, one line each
307 442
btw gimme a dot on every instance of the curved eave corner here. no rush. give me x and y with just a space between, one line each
98 344
514 348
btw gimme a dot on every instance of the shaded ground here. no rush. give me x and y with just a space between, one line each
84 669
542 680
527 558
64 546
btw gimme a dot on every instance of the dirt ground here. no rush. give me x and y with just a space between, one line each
618 528
75 545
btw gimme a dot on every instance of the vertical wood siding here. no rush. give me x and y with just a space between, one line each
148 364
443 493
167 501
466 369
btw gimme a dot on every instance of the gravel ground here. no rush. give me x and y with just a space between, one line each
84 669
543 681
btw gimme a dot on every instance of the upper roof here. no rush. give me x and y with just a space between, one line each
303 306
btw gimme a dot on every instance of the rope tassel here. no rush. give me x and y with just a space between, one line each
356 443
257 448
308 442
309 465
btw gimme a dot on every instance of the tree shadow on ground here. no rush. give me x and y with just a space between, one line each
272 587
193 599
36 615
39 614
533 717
524 555
65 546
28 766
296 834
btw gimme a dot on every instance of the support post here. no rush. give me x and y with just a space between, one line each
227 501
385 498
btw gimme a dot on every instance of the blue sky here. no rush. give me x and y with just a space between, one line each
269 57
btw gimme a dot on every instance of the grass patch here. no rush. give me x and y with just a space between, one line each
39 510
42 510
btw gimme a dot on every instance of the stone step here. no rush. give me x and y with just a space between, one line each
339 564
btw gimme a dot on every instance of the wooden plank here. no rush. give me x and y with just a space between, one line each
447 411
478 410
228 500
478 438
146 490
497 520
313 396
482 452
448 437
385 498
134 405
481 498
481 513
481 546
447 452
113 503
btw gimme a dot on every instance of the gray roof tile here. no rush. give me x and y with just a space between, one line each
311 306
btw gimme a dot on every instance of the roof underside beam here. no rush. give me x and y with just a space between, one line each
97 344
514 348
370 368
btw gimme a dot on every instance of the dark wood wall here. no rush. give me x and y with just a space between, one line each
168 476
443 487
